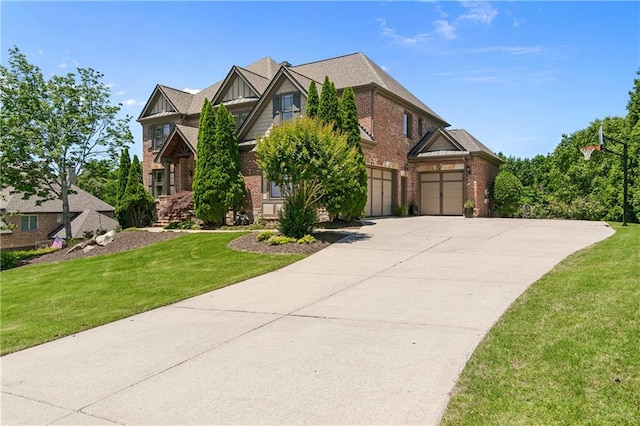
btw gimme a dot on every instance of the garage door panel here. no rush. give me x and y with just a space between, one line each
452 198
387 208
441 193
379 192
430 198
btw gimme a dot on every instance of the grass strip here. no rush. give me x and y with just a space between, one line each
567 351
44 302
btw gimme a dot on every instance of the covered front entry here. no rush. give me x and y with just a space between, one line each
442 193
379 192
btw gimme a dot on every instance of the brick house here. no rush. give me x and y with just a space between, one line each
33 225
406 145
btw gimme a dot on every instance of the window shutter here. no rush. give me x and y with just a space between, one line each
296 102
276 104
150 182
149 138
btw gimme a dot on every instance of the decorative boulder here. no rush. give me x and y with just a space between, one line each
103 240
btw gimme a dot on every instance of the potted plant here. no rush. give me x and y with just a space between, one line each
468 208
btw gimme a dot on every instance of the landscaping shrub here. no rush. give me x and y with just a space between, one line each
8 260
183 224
400 211
296 219
307 239
265 235
507 191
277 240
178 206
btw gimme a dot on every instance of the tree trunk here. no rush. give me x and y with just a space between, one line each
65 209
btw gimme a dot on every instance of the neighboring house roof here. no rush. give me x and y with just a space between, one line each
442 142
78 202
87 221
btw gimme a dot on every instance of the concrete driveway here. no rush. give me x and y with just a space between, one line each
373 330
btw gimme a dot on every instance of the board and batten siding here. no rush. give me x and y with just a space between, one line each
265 119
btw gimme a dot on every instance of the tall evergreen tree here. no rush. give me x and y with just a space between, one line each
312 100
356 187
137 203
228 170
123 177
328 108
203 187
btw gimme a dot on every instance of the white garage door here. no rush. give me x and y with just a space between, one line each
379 192
441 193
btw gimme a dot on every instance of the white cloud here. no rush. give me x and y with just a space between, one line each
385 68
516 22
511 50
445 29
479 12
110 85
405 40
63 65
132 102
192 91
40 51
120 93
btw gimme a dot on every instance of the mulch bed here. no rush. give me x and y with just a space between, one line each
122 241
250 243
129 240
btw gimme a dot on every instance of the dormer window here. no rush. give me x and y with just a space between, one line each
286 104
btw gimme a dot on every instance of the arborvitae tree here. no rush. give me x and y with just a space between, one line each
123 177
137 203
357 185
328 109
228 170
312 100
203 186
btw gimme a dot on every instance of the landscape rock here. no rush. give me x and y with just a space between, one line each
103 240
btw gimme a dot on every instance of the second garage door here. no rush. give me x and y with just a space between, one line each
441 193
379 192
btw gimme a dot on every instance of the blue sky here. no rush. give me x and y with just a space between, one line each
517 75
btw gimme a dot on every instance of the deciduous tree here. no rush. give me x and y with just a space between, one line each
50 129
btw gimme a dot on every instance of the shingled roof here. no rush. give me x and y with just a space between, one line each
461 143
78 202
354 70
358 70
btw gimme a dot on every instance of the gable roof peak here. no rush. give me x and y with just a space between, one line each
265 67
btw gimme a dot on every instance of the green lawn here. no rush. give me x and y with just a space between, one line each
43 302
567 351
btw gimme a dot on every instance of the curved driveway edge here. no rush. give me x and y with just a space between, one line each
372 330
